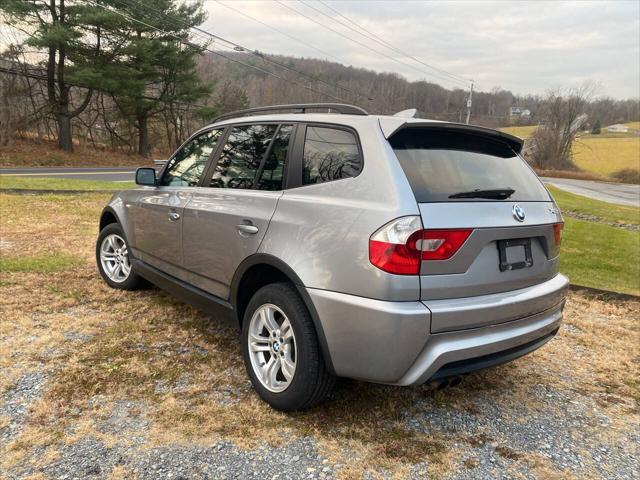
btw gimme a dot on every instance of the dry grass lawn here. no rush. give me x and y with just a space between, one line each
522 131
98 346
605 156
601 155
32 152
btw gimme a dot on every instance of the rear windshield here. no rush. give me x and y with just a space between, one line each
443 166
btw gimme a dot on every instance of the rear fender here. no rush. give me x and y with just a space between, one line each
266 259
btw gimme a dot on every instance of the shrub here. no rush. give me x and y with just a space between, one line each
627 175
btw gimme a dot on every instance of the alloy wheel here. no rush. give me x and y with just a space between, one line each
114 258
272 348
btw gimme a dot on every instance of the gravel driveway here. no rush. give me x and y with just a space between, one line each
506 423
96 383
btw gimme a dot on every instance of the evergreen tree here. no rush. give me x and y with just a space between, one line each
55 28
597 128
155 66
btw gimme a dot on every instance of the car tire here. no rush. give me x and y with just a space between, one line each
296 335
112 249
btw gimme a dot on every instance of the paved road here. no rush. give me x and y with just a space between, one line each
111 174
620 193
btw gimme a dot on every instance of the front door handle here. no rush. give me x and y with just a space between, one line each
247 228
174 216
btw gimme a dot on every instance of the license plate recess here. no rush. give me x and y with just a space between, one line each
515 254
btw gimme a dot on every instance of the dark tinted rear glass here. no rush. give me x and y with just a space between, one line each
440 163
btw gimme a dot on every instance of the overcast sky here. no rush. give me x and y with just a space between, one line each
522 46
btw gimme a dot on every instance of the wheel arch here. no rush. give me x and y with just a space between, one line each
262 269
107 217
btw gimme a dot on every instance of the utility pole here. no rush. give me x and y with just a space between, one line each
469 102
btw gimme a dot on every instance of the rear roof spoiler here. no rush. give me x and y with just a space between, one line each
392 125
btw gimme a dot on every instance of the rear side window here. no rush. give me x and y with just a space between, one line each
241 156
446 166
329 154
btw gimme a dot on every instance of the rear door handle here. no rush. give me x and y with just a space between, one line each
247 228
174 216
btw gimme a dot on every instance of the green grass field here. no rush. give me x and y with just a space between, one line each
599 256
596 254
606 211
31 183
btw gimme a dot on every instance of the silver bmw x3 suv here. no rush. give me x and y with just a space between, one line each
389 249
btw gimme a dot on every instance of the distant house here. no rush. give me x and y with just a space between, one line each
519 112
617 128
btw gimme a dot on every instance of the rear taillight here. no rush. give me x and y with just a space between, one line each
442 244
393 247
400 245
557 232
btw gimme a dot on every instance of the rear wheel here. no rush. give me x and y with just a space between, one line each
114 263
281 350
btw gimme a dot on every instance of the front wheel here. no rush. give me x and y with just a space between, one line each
281 351
114 262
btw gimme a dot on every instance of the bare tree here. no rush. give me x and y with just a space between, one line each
562 115
13 115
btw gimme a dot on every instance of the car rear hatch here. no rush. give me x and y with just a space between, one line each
479 199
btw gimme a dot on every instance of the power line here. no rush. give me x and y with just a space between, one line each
337 32
369 35
238 47
381 41
43 77
185 42
446 76
246 15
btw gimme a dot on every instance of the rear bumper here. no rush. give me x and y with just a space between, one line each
392 342
481 347
472 312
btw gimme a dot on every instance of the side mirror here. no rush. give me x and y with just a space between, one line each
146 176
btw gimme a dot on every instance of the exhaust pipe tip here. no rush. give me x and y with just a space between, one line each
443 384
446 382
455 381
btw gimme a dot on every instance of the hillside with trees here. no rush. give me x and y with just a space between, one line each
129 76
387 93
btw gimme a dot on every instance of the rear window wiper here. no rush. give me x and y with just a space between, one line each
497 193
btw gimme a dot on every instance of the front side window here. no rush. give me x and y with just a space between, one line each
329 154
272 172
241 156
187 165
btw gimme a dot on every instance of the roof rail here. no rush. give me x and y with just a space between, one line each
300 107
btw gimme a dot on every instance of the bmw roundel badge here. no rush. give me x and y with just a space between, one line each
518 213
